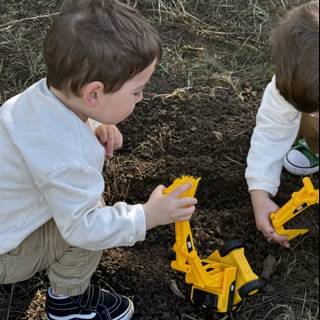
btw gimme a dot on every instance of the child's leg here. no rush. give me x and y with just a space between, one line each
23 262
70 273
69 268
310 131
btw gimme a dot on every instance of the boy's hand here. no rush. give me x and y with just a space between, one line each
263 206
110 137
165 209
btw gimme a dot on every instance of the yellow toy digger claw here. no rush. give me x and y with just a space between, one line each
299 202
220 282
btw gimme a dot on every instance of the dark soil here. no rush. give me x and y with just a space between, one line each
197 119
206 135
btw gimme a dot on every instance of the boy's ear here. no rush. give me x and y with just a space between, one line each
91 93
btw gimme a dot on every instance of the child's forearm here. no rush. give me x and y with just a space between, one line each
276 129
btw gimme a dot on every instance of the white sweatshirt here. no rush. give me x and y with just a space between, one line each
277 127
51 167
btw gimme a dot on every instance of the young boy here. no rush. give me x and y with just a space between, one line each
99 54
290 103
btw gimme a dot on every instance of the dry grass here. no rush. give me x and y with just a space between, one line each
214 45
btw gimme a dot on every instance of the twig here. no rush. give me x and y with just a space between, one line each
304 303
234 161
185 316
11 23
276 297
10 301
242 132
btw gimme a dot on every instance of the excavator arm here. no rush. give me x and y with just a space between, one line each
298 203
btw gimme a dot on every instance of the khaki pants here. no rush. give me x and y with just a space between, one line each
309 130
69 268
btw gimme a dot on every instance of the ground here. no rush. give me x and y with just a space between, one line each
196 119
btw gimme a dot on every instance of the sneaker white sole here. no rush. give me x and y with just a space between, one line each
127 316
297 171
73 317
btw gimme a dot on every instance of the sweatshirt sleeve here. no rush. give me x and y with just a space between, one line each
277 126
73 193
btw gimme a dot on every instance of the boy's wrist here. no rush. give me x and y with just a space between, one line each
146 209
259 198
259 194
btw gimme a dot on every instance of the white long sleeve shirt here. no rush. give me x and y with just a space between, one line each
51 167
277 127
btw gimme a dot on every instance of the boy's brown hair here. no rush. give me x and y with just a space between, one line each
98 40
295 54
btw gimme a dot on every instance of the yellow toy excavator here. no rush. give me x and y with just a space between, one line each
220 282
299 202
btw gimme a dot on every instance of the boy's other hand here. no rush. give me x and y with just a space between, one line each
263 206
110 137
165 209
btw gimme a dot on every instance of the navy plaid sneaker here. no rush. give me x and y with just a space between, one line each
95 304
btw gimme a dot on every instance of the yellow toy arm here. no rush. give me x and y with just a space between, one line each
187 259
184 246
300 201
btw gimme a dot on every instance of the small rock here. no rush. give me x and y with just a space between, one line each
268 267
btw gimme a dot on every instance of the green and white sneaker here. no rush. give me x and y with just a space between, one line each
300 160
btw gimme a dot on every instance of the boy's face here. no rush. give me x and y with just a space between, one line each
112 108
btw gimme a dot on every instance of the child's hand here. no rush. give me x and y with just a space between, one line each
110 137
263 206
165 209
